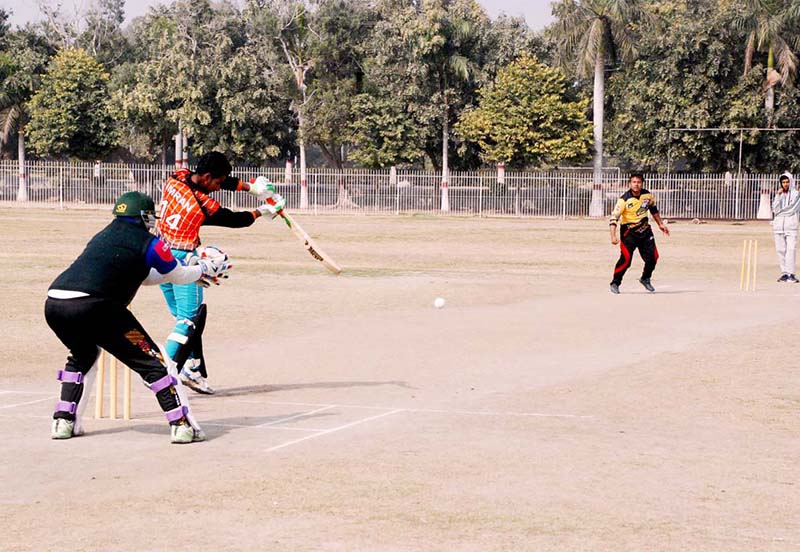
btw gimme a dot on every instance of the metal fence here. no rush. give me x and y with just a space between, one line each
558 194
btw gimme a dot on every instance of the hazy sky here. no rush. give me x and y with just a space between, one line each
536 12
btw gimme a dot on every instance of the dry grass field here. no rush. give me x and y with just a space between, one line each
535 412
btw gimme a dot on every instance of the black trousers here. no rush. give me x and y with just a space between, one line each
86 323
630 241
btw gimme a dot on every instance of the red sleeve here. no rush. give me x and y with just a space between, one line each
208 203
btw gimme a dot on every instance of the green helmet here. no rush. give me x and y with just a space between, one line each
136 204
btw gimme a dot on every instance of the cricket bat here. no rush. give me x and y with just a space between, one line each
309 244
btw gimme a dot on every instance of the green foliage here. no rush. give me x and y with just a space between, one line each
69 112
763 150
686 65
446 44
689 76
383 132
4 26
524 118
209 69
388 80
102 35
23 59
341 29
588 29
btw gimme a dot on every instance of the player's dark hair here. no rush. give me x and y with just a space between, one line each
638 175
214 163
784 177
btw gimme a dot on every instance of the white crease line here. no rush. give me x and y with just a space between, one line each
291 403
427 410
301 415
157 419
306 429
26 392
327 431
489 413
50 398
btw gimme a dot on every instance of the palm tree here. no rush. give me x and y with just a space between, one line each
442 45
20 74
12 120
595 33
768 24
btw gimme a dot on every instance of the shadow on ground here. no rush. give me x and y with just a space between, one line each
268 388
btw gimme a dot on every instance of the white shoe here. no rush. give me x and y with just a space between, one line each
185 433
194 381
63 429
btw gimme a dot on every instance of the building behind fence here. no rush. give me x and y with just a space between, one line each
556 194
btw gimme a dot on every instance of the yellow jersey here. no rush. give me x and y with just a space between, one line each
631 210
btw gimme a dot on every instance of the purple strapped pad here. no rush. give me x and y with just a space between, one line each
176 413
163 383
69 377
65 406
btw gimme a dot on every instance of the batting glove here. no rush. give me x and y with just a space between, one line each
272 206
261 186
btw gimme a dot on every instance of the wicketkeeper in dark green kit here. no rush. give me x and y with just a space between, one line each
87 304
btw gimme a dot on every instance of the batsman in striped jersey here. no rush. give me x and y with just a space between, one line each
186 206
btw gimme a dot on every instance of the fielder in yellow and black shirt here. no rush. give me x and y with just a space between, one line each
630 213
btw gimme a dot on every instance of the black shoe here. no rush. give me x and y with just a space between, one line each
615 288
784 278
792 279
647 285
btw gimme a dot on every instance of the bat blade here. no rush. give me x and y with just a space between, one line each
312 248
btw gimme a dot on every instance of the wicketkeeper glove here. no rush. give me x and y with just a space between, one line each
214 264
273 205
260 186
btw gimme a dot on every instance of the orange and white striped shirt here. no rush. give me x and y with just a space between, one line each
182 212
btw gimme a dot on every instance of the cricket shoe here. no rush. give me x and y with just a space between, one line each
194 381
615 289
63 429
183 433
784 278
792 279
647 285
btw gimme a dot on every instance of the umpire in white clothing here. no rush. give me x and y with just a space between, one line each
784 226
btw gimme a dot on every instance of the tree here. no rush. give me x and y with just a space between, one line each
69 112
342 28
509 38
763 151
524 118
689 75
594 33
447 41
4 26
768 24
23 59
382 131
228 93
687 64
295 36
391 118
96 28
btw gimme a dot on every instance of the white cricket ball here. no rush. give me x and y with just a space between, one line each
438 302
